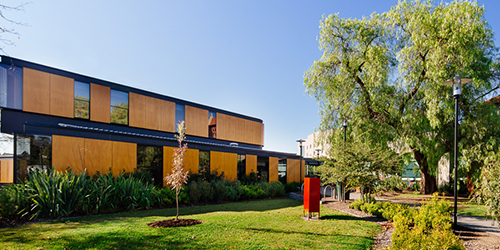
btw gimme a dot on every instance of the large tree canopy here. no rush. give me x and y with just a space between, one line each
386 73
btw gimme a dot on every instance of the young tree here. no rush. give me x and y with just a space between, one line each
179 176
386 72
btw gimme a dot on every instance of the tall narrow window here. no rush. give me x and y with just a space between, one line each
282 171
179 114
242 166
82 100
11 87
150 162
204 161
212 124
263 168
119 107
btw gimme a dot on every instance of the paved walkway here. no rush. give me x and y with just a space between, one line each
472 222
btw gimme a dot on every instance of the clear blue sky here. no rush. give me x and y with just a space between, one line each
248 57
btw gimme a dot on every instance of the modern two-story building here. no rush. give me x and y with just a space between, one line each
54 118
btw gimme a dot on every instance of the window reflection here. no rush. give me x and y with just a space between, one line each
119 107
212 124
204 162
242 166
263 168
11 87
179 115
33 152
282 171
150 161
82 100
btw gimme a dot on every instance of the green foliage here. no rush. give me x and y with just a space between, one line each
429 228
386 73
356 204
488 191
52 194
292 187
392 184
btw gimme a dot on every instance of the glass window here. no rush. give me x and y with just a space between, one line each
33 152
179 115
212 124
282 171
119 107
82 100
263 168
204 162
150 163
11 87
242 166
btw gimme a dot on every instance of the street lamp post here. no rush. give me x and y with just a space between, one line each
300 141
341 186
457 82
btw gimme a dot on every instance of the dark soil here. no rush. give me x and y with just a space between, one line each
6 222
175 223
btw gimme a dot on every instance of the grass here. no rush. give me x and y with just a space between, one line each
267 224
472 209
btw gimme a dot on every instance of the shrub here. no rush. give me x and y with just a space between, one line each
392 184
356 204
292 187
14 201
200 192
431 228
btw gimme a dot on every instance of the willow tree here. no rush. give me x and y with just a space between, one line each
386 71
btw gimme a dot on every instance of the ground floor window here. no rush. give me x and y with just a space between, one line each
204 162
242 167
263 168
150 162
32 152
282 171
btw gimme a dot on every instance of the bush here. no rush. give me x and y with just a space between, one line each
292 187
14 201
428 228
356 204
392 184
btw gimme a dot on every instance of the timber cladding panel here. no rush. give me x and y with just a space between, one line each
273 169
137 110
196 121
167 120
98 156
61 100
68 152
6 171
93 155
153 113
167 162
217 161
251 164
192 162
124 157
100 103
237 129
231 166
292 170
36 91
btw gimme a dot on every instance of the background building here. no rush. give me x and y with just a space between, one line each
65 120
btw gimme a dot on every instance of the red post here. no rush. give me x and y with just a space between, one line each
312 196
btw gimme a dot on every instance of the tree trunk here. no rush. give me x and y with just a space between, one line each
428 183
177 203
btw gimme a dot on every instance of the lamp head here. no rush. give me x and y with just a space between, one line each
457 82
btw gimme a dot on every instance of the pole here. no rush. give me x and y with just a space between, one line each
456 165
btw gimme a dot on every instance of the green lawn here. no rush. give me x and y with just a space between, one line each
268 224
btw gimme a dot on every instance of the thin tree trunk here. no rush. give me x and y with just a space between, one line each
177 203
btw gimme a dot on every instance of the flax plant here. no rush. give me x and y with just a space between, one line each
179 176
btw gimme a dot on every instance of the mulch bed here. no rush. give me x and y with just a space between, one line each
175 223
6 222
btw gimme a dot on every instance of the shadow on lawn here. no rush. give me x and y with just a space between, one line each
340 217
